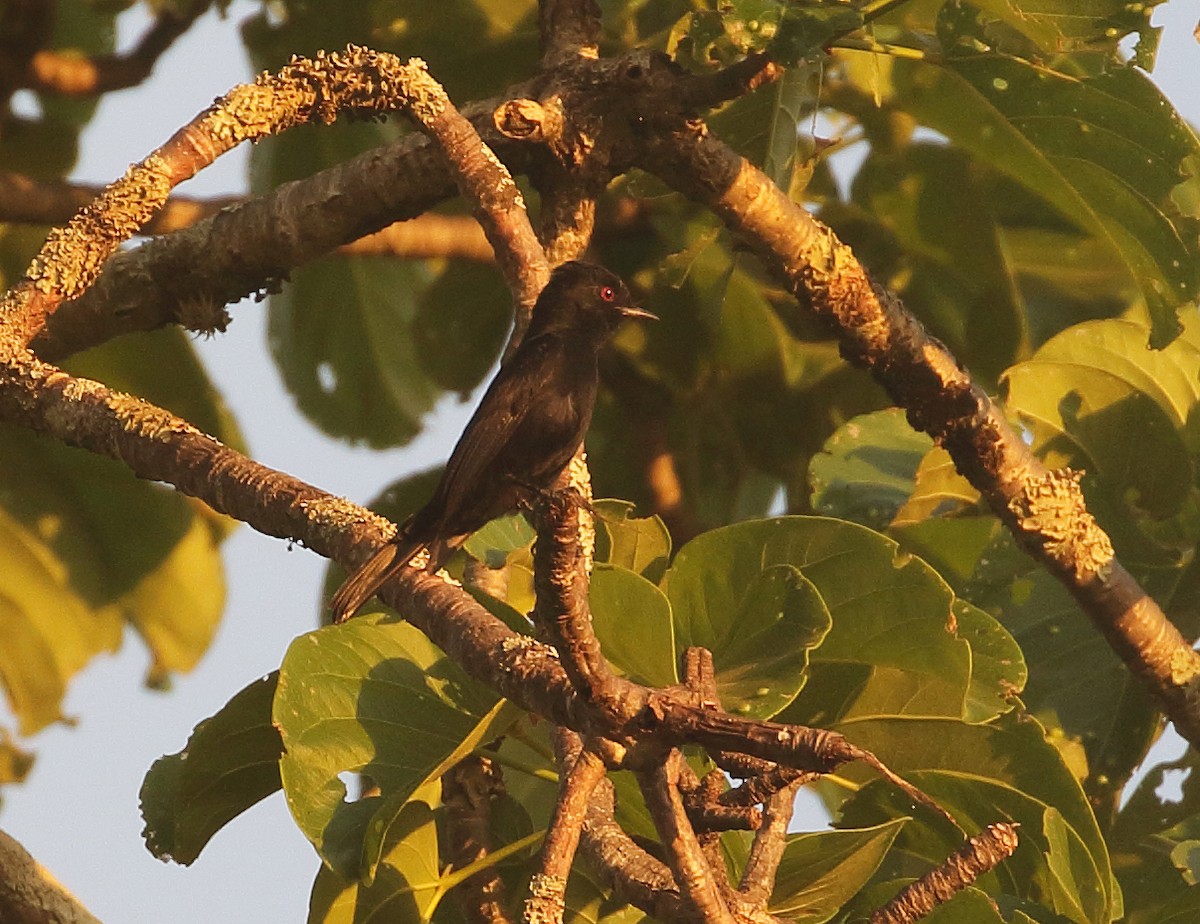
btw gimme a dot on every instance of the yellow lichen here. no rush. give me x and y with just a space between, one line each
1051 507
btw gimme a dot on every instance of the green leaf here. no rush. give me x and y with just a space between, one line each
865 471
893 647
1108 152
767 127
406 887
639 544
89 547
15 763
759 620
822 871
500 538
938 491
927 220
632 620
230 762
377 698
986 773
807 28
341 333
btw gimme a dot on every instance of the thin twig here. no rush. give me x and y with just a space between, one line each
71 74
758 878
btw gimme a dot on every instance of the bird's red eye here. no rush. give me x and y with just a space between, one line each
608 293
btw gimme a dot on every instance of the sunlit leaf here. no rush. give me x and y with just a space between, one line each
377 698
986 773
640 544
405 886
893 646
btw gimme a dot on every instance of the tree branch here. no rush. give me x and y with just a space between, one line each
69 74
467 792
979 855
580 772
562 613
30 895
568 28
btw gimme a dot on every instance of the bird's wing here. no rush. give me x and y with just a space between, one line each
508 400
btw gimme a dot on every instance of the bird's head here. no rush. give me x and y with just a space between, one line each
583 298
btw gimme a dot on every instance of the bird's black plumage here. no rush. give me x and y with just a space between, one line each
531 420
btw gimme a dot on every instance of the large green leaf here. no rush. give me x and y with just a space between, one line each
1005 771
820 872
341 332
1073 30
230 762
377 698
925 219
894 646
1108 152
88 547
760 620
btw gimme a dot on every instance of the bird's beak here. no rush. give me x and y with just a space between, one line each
631 312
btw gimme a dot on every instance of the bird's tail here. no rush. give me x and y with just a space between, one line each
370 576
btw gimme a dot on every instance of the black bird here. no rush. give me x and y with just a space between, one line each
531 420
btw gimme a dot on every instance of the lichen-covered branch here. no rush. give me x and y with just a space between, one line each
359 81
488 187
